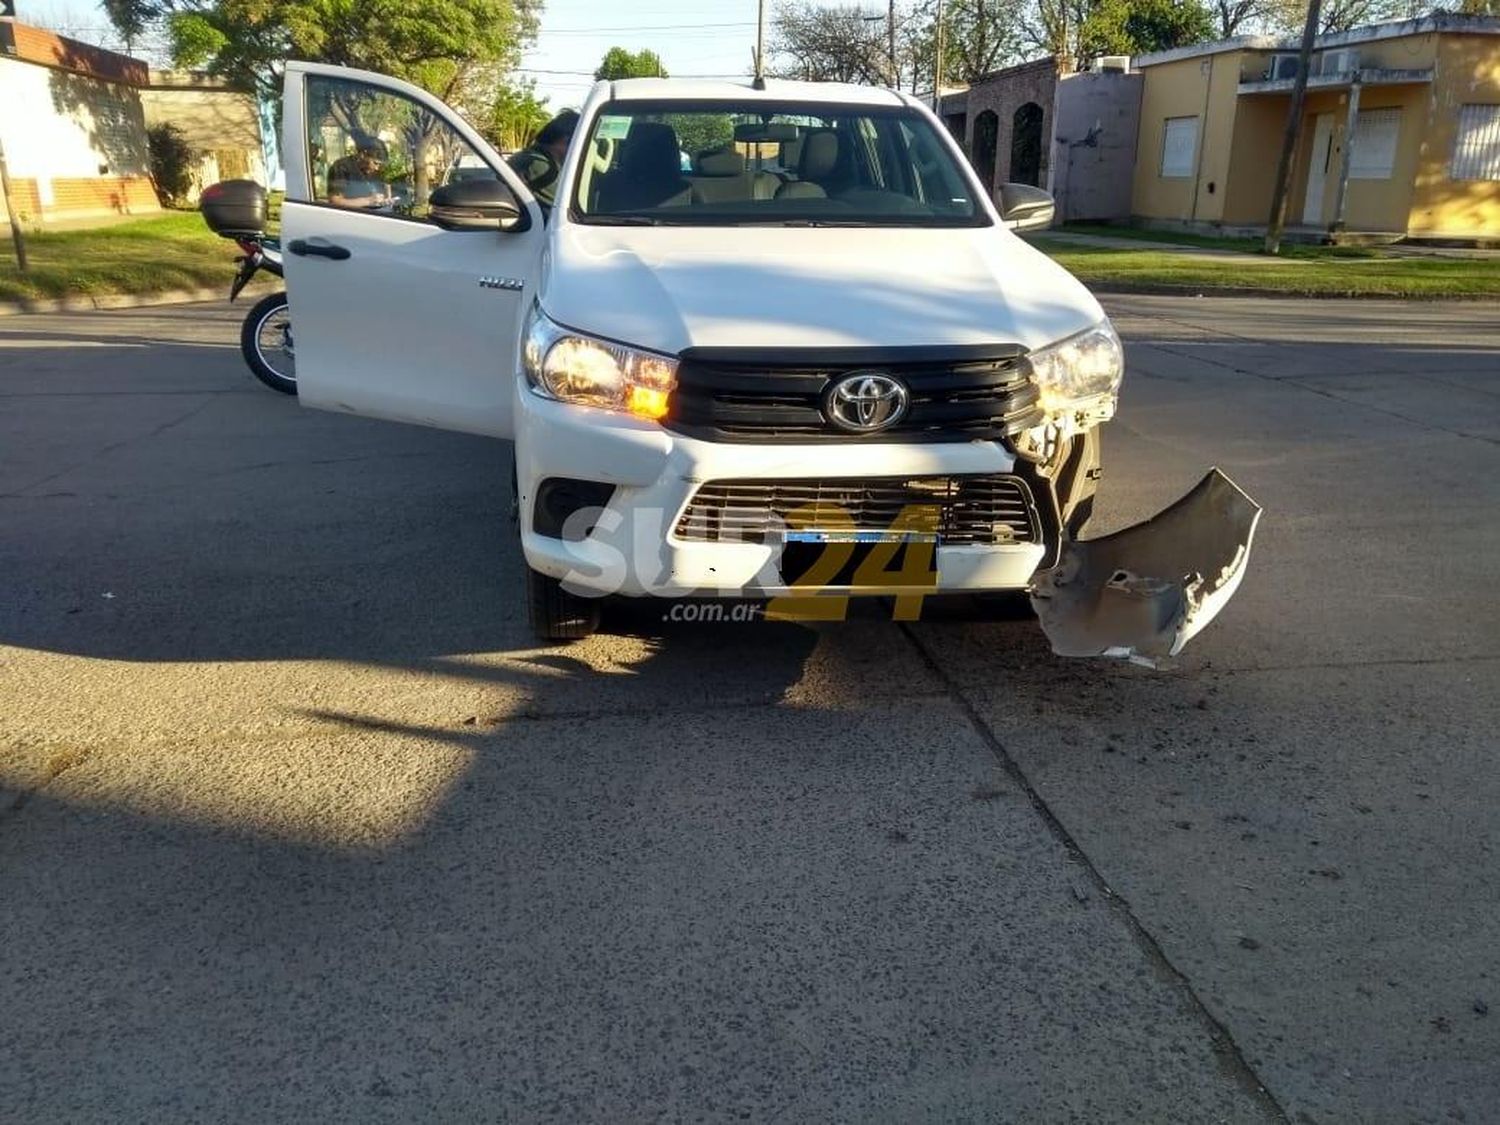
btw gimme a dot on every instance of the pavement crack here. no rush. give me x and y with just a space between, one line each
1222 1042
114 447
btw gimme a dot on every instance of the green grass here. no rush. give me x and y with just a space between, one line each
177 251
1325 271
171 251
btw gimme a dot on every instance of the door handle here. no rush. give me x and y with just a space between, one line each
304 249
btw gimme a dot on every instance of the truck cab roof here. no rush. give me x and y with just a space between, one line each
744 90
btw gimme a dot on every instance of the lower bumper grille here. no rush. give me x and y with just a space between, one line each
963 510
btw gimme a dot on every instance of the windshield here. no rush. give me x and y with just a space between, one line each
782 164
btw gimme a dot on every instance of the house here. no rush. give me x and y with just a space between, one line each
1400 132
1039 123
221 125
73 128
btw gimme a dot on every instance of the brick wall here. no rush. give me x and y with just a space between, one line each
118 195
1002 94
28 201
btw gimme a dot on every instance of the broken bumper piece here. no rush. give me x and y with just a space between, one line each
1142 593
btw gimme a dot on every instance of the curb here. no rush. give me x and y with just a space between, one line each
1124 289
94 303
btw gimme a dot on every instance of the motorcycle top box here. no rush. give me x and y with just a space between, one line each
234 207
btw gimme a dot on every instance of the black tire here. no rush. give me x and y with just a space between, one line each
268 317
557 615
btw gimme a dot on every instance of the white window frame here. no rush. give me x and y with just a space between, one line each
1377 133
1476 143
1180 168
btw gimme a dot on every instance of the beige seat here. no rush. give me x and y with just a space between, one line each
719 176
820 167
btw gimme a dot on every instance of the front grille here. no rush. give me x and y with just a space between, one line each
970 509
979 393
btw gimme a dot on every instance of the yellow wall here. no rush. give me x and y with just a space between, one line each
1241 143
1259 125
1199 87
1372 205
1468 70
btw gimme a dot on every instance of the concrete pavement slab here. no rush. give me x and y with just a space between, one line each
774 912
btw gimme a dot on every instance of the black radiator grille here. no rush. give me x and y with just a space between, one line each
970 509
980 393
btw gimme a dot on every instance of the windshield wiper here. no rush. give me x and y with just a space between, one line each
623 221
815 223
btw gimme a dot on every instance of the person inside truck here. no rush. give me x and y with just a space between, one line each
358 179
540 162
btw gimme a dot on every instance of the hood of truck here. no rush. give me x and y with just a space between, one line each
670 288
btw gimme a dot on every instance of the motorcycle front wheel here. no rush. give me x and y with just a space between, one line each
266 341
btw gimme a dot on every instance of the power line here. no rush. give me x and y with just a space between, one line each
639 27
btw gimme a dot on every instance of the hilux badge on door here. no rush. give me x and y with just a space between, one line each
864 402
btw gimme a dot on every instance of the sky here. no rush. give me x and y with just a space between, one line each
693 37
701 37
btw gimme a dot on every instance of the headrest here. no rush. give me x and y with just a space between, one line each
720 162
820 155
650 148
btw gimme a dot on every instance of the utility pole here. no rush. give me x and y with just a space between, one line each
890 39
17 235
760 46
1277 221
937 66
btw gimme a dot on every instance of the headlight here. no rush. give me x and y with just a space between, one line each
571 367
1077 371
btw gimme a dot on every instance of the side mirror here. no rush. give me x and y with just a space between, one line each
1023 207
476 205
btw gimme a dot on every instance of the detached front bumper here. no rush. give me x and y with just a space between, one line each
1144 592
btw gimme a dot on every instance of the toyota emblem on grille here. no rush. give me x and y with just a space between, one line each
864 402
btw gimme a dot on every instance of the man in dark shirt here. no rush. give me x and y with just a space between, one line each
540 162
358 180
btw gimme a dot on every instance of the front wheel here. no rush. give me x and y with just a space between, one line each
266 342
556 614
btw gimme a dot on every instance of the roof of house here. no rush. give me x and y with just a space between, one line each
1438 22
46 48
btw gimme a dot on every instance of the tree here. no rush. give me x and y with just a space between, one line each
1234 15
619 63
1083 30
1160 25
828 45
1338 15
980 36
131 19
436 44
515 117
172 161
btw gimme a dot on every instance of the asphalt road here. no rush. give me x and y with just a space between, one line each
297 824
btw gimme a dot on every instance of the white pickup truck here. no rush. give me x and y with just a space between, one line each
817 364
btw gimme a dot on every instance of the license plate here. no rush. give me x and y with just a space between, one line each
859 559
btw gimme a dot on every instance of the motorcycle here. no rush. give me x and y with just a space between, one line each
236 210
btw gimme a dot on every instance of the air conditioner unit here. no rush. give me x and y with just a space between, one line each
1283 67
1338 62
1112 64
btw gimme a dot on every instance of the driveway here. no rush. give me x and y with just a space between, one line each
298 824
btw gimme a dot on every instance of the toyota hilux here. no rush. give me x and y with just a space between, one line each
773 340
